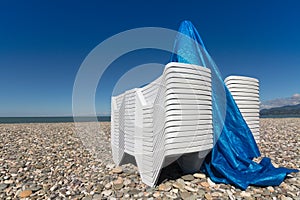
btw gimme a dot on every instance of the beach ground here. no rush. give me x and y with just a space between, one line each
49 161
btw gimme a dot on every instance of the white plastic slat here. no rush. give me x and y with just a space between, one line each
245 91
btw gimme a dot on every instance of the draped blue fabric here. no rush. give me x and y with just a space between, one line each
234 148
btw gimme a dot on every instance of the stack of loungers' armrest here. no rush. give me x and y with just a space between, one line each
168 120
245 91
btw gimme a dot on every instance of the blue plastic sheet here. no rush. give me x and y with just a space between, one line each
234 148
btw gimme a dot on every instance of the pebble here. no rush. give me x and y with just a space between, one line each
188 177
8 182
271 189
178 185
245 194
133 191
126 182
171 196
186 195
156 194
204 184
53 188
285 198
25 193
212 184
199 175
3 186
118 184
163 187
107 193
35 188
117 170
215 194
107 186
188 188
200 192
175 190
110 166
208 196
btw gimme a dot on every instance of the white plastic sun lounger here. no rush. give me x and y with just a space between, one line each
168 120
245 91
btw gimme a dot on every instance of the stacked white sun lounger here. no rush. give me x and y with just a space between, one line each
169 119
245 91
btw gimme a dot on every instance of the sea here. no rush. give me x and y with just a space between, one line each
16 120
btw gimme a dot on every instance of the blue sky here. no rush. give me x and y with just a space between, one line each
43 43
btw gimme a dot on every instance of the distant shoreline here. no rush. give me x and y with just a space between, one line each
279 116
18 120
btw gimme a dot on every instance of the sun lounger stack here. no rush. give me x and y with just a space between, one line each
245 91
168 120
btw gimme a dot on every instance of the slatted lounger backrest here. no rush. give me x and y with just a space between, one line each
167 118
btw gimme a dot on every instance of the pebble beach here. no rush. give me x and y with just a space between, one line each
49 161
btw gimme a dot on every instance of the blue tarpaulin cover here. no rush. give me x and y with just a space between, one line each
231 159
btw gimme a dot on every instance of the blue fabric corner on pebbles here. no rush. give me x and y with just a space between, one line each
231 159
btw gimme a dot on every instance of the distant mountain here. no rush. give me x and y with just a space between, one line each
282 111
293 100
